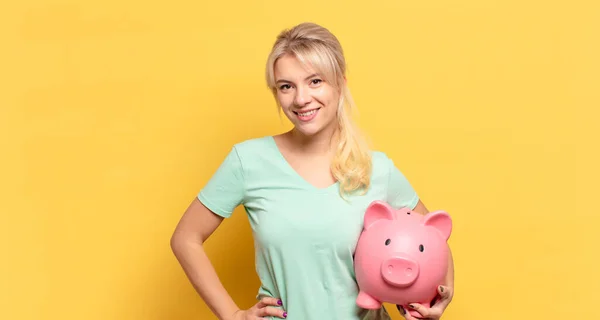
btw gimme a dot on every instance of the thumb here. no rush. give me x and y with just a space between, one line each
445 292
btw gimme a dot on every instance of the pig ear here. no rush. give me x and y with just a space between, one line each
441 221
376 211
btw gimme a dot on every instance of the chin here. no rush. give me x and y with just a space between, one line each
307 131
312 129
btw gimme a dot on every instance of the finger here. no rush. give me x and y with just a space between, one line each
271 311
421 309
435 300
402 312
444 297
445 292
401 309
441 304
268 301
405 313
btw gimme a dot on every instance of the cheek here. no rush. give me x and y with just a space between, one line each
323 95
284 101
331 104
332 98
326 98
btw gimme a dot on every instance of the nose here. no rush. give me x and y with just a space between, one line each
400 271
302 97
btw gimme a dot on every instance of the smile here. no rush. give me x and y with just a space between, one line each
307 115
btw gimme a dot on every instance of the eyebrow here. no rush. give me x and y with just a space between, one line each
312 75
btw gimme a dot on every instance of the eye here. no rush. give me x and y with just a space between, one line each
285 86
316 81
387 242
421 248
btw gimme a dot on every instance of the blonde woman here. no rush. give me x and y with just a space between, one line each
304 191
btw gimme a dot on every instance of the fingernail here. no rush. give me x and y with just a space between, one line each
285 314
441 289
279 302
401 309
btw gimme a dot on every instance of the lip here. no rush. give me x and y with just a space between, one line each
304 111
309 118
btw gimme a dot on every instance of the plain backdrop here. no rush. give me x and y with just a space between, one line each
114 114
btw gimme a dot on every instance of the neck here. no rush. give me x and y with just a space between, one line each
320 144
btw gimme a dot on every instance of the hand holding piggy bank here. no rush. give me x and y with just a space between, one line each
401 256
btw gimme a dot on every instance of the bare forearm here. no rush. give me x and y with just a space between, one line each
202 275
450 274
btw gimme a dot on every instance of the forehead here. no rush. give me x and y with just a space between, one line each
288 67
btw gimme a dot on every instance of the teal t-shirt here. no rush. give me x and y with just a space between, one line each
304 237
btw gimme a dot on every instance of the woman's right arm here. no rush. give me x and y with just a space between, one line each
195 226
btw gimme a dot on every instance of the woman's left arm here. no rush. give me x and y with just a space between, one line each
445 291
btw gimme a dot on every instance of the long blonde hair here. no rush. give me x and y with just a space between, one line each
316 46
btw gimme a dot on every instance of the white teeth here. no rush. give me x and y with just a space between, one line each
306 114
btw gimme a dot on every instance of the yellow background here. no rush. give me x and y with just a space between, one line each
113 114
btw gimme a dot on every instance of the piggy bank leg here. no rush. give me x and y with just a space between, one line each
365 301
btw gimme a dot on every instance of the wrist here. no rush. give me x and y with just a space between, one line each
233 315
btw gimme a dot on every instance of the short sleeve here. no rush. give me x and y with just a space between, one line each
400 192
225 190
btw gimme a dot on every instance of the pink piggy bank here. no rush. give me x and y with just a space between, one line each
401 256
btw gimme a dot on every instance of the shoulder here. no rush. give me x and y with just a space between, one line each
254 154
380 161
378 155
382 164
254 142
253 146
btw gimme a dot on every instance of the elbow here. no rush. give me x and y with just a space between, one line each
181 242
174 244
177 243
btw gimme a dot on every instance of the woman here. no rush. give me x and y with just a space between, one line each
305 192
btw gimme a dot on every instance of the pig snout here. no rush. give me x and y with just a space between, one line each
400 271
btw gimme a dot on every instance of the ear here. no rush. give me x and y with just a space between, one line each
376 211
441 221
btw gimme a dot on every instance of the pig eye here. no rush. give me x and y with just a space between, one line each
421 248
387 242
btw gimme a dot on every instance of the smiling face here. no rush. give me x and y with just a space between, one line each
308 101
